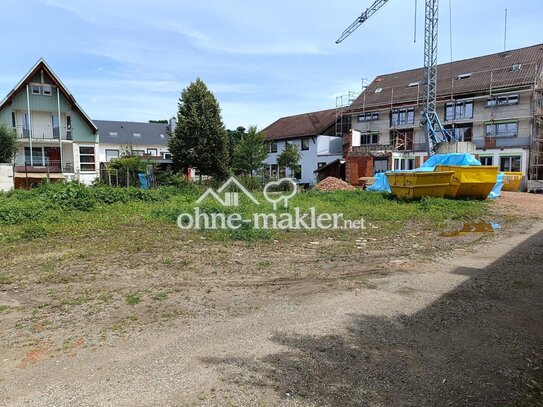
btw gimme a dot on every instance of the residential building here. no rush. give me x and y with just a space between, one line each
58 140
315 136
144 139
494 101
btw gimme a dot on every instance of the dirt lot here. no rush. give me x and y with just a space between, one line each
413 319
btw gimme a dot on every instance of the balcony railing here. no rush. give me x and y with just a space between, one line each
44 132
43 166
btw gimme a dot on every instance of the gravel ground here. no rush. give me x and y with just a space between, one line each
458 331
401 320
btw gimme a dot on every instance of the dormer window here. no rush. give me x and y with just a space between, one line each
464 76
161 135
113 134
378 90
516 67
137 135
413 84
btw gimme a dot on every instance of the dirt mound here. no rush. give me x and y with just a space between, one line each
333 184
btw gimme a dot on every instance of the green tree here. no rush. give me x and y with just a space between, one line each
200 138
290 158
234 137
250 152
8 143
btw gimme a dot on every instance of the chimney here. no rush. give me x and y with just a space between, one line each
173 124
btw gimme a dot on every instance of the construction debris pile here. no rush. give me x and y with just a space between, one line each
333 184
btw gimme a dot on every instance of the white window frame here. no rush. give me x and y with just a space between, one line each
110 150
87 155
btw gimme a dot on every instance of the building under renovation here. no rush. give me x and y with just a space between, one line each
494 101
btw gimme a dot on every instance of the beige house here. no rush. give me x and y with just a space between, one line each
494 101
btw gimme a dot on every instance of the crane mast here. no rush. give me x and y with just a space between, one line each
433 129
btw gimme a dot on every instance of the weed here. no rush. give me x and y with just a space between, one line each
160 296
133 298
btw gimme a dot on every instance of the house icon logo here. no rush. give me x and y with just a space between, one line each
230 198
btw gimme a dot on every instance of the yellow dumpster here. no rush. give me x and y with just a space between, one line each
470 181
511 181
413 184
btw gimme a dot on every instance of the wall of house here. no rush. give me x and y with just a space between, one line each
161 149
322 149
521 112
6 177
41 108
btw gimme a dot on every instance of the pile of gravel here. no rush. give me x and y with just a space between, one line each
333 184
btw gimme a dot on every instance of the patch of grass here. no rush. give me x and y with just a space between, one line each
133 298
160 296
4 309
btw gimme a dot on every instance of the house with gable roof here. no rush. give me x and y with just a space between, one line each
314 134
58 140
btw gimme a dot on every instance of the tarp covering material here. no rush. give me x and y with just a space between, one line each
381 181
496 191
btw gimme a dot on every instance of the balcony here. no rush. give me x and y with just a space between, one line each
43 166
43 133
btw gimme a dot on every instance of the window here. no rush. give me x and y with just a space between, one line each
402 116
273 170
138 152
459 110
152 151
86 158
37 156
461 133
55 123
464 76
111 154
404 164
413 84
68 127
369 138
305 143
505 129
136 134
510 163
13 122
502 100
380 165
486 160
367 117
298 173
321 164
161 135
378 90
47 90
167 156
273 147
113 134
35 89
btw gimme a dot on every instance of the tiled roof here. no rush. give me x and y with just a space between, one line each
114 132
512 68
301 125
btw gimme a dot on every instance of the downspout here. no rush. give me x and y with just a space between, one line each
29 125
59 128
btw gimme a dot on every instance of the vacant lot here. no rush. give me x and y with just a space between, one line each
106 302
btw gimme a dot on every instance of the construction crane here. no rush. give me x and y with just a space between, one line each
434 131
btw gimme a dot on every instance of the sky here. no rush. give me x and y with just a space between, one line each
130 60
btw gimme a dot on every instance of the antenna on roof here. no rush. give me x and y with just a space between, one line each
505 33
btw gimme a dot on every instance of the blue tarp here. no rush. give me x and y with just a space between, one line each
381 181
143 180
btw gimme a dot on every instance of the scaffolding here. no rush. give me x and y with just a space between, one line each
343 118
